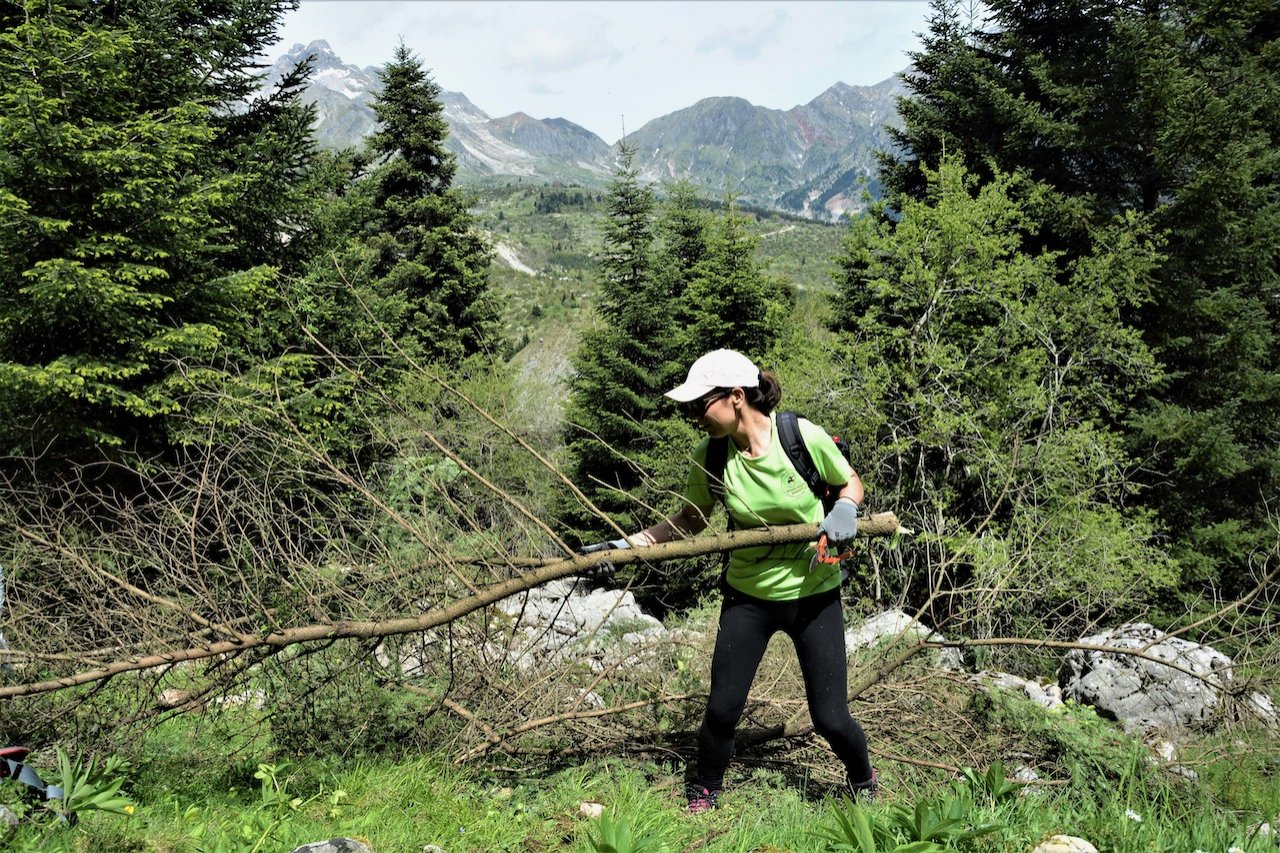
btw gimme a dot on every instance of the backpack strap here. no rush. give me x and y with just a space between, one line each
796 450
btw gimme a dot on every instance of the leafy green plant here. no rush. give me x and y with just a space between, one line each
618 837
993 785
944 821
87 788
859 831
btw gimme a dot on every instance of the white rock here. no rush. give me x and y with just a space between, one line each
1065 844
255 698
1141 692
591 699
1263 708
1023 773
590 810
891 624
1165 749
882 626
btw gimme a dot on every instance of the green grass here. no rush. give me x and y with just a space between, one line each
214 802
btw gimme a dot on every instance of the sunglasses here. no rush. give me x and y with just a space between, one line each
695 409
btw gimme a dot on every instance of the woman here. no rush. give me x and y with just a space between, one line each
769 588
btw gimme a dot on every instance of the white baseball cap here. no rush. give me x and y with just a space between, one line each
722 368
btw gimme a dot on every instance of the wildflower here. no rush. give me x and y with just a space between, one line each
1235 850
129 809
1133 816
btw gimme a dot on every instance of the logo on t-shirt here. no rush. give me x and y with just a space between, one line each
795 486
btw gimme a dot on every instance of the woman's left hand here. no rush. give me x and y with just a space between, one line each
841 524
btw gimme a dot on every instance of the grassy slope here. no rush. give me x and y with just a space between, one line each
198 792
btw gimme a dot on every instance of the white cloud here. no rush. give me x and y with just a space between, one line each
545 49
745 43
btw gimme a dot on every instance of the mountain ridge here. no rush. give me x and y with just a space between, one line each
814 159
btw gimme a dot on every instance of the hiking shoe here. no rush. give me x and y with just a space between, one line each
864 792
701 799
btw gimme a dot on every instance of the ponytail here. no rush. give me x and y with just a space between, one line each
767 395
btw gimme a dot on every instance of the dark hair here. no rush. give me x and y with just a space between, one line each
766 396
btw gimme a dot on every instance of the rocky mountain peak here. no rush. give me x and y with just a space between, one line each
813 159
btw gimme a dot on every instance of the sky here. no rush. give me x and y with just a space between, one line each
612 65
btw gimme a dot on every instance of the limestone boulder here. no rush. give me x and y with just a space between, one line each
1140 690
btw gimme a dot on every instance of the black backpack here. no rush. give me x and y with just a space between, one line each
794 446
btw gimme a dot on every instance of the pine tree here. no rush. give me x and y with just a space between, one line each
677 282
422 243
150 200
1166 108
731 303
114 251
621 363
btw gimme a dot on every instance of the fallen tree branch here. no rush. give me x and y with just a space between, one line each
493 740
880 524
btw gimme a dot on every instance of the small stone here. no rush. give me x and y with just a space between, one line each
8 817
1065 844
335 845
591 810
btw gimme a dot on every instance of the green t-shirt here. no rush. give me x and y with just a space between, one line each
767 491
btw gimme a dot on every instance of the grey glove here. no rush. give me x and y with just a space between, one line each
840 525
600 571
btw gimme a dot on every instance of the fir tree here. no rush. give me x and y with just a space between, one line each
422 243
620 363
731 303
1167 108
118 261
986 370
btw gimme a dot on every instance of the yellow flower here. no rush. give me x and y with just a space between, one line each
129 809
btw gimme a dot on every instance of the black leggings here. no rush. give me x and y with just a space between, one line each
816 627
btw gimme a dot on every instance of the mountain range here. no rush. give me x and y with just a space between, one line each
814 160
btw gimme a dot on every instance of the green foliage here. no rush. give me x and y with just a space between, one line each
1165 108
989 373
616 836
992 785
136 260
422 243
86 787
407 802
621 363
330 702
265 824
729 302
400 280
929 826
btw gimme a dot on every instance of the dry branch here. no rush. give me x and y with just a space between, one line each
881 524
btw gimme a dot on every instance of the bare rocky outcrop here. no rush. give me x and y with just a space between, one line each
1136 688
